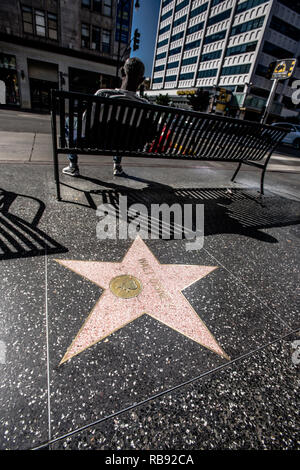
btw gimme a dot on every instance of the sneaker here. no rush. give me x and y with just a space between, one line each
118 170
71 170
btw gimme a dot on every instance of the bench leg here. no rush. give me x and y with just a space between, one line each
264 167
262 179
236 171
56 175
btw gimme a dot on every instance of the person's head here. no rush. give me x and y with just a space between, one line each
132 74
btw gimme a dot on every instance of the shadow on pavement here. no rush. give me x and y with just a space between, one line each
20 238
236 211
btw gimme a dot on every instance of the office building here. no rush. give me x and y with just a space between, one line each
66 44
212 44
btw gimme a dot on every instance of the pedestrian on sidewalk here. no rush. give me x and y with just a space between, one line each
132 76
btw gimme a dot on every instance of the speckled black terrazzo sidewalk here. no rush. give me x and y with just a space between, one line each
147 386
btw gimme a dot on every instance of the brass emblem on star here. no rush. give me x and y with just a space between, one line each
125 286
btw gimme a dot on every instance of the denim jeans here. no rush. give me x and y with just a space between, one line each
73 157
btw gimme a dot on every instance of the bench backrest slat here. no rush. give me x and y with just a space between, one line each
87 124
71 123
62 119
79 122
126 127
145 127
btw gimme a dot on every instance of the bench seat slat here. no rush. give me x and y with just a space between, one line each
62 119
71 122
79 122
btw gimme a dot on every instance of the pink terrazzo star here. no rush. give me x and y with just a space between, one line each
159 296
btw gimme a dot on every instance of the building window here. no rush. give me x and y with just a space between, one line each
172 65
96 38
220 17
9 80
211 56
241 49
249 4
175 51
27 20
195 28
276 51
107 8
180 20
171 78
44 24
97 5
181 5
189 61
186 76
106 41
177 36
162 43
40 23
236 69
295 6
261 70
166 15
207 73
166 3
161 56
85 36
198 10
214 37
285 28
86 3
248 26
216 2
165 29
52 26
192 45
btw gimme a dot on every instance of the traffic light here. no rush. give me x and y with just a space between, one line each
136 40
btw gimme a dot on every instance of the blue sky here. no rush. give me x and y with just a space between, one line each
145 19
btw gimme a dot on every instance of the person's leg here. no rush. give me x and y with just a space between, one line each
118 170
72 169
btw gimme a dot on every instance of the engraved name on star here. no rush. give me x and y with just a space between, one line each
136 286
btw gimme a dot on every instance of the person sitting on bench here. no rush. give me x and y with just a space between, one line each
132 76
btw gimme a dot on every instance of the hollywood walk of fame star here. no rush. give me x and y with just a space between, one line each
137 286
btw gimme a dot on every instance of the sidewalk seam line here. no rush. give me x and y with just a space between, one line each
47 346
140 165
33 144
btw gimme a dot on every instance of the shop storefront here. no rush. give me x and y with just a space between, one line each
43 77
84 81
9 88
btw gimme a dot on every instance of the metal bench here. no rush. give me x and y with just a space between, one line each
106 126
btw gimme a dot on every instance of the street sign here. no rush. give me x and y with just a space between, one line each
224 96
186 92
283 69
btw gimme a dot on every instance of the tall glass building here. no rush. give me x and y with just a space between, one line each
227 44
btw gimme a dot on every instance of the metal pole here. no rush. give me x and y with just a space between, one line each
120 37
269 101
213 101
